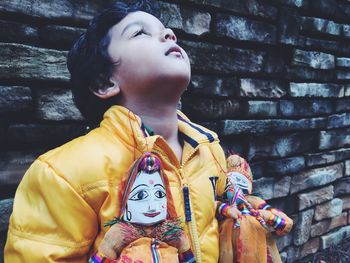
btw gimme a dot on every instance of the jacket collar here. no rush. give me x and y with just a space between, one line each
129 128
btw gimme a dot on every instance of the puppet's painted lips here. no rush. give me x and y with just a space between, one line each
152 214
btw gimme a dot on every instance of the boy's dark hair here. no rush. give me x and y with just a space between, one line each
89 63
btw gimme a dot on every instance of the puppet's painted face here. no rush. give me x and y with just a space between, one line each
241 181
147 202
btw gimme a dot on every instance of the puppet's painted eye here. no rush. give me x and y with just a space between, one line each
139 196
160 194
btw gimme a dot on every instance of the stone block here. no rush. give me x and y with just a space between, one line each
316 197
346 202
57 10
26 62
261 109
59 36
285 166
284 256
314 159
270 188
18 32
280 145
335 237
236 127
293 254
295 3
343 62
343 75
244 7
342 186
43 134
202 108
325 226
334 139
289 26
241 28
346 31
209 85
313 24
347 90
303 227
316 177
298 108
256 88
222 59
295 125
311 247
313 59
284 241
329 209
323 90
196 23
328 8
57 105
338 121
347 168
6 206
15 98
170 15
342 105
13 166
302 74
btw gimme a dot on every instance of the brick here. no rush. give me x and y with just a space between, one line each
316 197
325 90
13 166
334 139
338 121
236 127
209 85
62 37
320 25
313 159
303 227
343 75
223 59
310 247
244 7
295 3
285 166
5 211
302 74
335 238
347 168
240 28
262 109
289 26
346 31
170 15
211 108
293 254
256 88
346 202
316 177
196 23
280 145
295 125
313 59
284 241
329 209
310 107
15 98
270 188
26 62
325 226
57 105
58 10
18 32
324 45
342 186
342 105
343 62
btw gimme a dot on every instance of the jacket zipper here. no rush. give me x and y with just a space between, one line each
155 255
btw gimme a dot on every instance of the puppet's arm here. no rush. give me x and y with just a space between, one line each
274 217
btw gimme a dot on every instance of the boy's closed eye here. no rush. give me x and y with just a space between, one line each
140 31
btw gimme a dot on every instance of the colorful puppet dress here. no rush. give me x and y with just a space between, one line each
147 223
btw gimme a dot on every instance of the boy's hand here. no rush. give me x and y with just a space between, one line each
112 243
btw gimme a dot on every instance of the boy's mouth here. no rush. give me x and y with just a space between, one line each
174 50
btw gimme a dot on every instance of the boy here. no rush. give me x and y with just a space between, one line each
128 60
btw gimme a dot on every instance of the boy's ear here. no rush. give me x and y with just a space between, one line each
111 90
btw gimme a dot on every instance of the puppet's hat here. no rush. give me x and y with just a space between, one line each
236 163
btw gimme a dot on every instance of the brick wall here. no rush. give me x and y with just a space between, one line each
272 77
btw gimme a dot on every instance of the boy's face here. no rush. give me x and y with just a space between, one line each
149 59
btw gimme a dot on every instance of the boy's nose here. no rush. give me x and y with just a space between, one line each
168 34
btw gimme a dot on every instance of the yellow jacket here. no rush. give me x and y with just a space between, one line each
68 193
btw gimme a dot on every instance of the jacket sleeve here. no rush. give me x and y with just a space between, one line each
51 221
220 162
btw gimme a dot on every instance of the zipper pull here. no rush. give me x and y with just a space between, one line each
186 192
